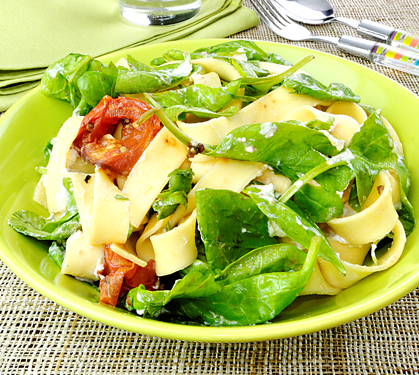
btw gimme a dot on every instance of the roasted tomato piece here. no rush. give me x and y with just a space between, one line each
116 156
122 275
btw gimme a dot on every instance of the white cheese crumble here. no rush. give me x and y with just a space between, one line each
373 256
100 265
249 149
338 143
298 184
346 155
267 193
268 129
339 239
274 230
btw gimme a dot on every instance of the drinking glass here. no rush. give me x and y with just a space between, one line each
158 12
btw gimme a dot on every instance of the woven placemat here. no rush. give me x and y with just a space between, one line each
38 336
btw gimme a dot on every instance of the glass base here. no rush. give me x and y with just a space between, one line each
165 12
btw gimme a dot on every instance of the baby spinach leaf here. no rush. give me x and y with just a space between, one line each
321 199
178 112
139 81
305 84
199 95
294 223
267 259
251 49
266 83
277 59
193 285
231 225
367 108
293 150
60 78
372 147
97 82
180 184
253 300
48 149
80 80
200 283
406 215
56 252
318 124
31 224
288 147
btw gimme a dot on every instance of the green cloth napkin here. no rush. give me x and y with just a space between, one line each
34 34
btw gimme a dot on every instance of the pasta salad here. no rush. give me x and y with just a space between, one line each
215 187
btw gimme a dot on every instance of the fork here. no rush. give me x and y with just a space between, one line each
379 53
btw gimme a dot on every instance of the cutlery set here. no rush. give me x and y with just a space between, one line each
395 49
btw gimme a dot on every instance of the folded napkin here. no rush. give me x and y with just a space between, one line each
34 34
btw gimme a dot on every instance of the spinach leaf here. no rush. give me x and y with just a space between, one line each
294 223
180 184
56 252
267 259
139 81
372 147
367 108
406 214
277 59
321 199
225 50
138 66
178 112
199 99
307 85
200 284
251 49
317 124
48 149
60 78
94 84
80 80
193 285
31 224
231 225
252 300
288 147
267 83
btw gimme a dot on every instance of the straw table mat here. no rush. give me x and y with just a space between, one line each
38 336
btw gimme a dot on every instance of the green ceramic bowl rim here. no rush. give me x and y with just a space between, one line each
204 333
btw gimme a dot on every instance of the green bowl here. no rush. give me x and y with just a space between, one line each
31 122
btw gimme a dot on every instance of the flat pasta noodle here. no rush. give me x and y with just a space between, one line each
375 221
150 174
57 165
222 68
82 259
109 222
317 284
343 128
84 193
270 108
175 250
228 174
356 272
350 109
